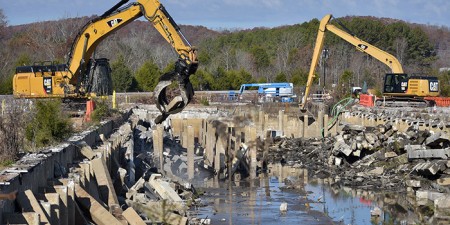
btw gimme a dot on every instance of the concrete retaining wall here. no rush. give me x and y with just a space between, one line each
34 170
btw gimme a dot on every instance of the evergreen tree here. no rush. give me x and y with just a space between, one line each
280 77
121 75
147 76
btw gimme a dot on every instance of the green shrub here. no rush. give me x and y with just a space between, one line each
204 101
102 110
49 124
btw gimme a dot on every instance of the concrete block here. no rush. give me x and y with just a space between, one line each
371 138
341 146
444 181
163 188
413 183
104 181
62 192
377 171
337 161
422 194
442 202
85 149
132 217
428 153
437 139
98 213
54 212
29 203
430 195
390 155
161 213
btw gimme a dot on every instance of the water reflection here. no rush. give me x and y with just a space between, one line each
315 201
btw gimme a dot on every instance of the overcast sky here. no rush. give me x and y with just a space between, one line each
230 14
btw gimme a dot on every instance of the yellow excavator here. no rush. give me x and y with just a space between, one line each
399 89
73 80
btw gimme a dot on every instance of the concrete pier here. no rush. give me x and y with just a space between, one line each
190 152
252 143
325 122
280 121
158 147
305 125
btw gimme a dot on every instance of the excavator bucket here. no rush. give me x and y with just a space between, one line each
178 103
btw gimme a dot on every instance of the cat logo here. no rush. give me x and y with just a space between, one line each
114 22
434 86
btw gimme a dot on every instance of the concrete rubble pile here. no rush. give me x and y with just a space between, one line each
138 193
375 158
161 198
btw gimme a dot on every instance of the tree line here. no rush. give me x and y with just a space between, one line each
229 58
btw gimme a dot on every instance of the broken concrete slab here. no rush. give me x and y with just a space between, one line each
428 168
390 155
377 171
104 181
132 217
161 212
444 181
413 183
29 203
85 149
442 202
428 153
371 138
438 140
98 213
353 127
163 188
341 146
430 195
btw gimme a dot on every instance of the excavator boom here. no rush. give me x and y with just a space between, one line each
67 81
367 48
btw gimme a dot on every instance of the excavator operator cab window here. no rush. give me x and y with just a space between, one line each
395 83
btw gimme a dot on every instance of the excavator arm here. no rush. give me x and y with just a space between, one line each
360 45
98 29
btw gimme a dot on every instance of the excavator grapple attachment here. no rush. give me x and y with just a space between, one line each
177 104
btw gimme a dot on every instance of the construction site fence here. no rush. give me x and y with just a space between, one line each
440 101
366 100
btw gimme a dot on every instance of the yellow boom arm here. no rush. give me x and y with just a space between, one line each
94 32
360 45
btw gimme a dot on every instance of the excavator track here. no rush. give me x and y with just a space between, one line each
404 102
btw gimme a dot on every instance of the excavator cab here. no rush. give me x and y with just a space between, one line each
395 83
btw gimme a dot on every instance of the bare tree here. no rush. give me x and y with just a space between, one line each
226 56
401 45
12 123
288 42
3 23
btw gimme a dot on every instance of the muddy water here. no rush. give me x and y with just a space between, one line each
308 202
257 203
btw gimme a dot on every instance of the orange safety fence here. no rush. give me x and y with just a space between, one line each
366 100
440 101
90 106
